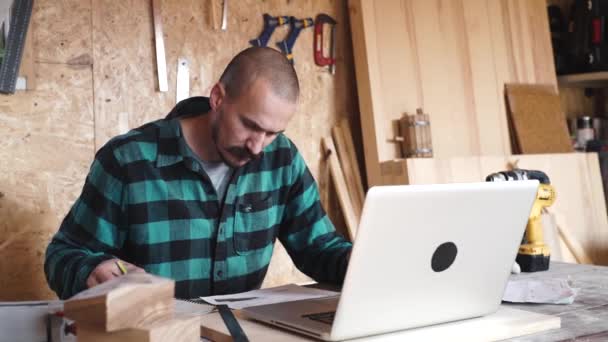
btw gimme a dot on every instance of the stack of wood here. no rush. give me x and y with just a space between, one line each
344 169
137 307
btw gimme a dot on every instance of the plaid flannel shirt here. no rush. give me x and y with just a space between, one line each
148 201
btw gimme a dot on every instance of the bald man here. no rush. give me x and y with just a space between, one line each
201 195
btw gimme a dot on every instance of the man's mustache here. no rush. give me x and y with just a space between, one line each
243 153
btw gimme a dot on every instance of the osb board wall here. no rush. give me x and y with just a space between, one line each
451 58
96 77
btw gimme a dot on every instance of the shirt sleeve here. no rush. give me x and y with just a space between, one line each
91 232
308 234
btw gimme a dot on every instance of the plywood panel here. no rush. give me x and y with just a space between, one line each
46 151
505 324
63 30
446 76
454 58
398 64
487 101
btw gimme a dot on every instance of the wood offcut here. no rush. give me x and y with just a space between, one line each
129 301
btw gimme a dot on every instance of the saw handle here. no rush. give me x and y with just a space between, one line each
320 59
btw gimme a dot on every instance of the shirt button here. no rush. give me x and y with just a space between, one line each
220 273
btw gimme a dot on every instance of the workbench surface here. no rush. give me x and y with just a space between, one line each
584 320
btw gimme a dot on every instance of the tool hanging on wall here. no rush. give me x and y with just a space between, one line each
182 89
15 42
296 25
161 62
270 24
320 59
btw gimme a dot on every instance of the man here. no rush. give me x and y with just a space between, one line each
201 196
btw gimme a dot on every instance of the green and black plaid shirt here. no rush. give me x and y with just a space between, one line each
148 201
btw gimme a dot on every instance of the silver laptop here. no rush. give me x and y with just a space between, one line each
423 255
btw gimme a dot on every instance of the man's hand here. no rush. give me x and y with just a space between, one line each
108 270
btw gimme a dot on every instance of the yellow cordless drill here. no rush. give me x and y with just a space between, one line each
533 254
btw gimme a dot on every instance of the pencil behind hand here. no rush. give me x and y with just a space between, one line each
121 267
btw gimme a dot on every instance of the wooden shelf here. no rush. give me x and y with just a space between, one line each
587 80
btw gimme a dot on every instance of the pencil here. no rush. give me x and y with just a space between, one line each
123 269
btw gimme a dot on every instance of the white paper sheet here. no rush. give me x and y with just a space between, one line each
285 293
186 307
548 291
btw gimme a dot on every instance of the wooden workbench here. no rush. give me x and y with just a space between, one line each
587 318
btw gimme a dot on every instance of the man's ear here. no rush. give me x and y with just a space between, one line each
217 96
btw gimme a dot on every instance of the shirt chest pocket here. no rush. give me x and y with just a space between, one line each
256 222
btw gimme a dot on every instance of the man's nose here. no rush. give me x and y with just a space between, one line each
255 144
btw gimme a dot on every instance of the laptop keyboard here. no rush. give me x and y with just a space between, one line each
323 317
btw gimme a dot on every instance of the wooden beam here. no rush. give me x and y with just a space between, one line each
338 177
129 301
350 167
183 328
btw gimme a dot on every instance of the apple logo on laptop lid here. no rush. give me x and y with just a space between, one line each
444 256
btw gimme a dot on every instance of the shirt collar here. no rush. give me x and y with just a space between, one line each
172 147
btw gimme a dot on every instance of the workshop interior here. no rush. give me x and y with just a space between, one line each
297 170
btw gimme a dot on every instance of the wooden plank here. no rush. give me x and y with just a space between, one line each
395 32
354 187
542 52
182 328
350 148
362 24
130 301
575 248
159 41
487 107
447 94
337 175
505 323
521 40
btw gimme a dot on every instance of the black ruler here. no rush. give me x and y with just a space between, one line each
20 19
